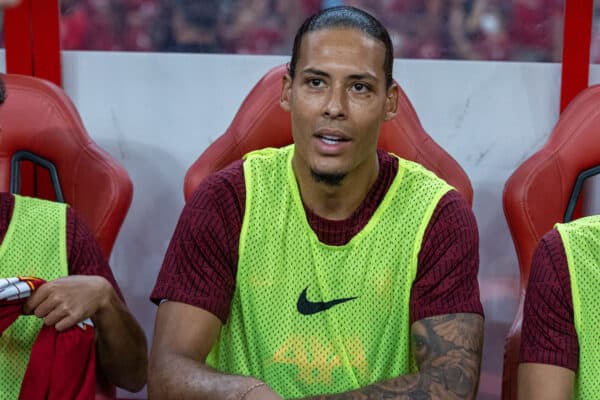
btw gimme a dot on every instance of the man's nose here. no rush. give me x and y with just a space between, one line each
335 107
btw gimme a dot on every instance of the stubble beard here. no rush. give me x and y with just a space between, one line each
328 179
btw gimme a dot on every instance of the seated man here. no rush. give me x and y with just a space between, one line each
313 269
47 240
559 341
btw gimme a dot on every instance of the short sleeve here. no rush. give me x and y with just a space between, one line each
548 335
201 261
448 263
84 255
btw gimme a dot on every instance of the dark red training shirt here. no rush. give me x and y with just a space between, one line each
548 335
201 262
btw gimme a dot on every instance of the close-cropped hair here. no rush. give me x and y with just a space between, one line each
349 18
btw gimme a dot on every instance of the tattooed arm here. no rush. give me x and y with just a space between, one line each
447 349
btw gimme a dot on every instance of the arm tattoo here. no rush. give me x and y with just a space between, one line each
447 349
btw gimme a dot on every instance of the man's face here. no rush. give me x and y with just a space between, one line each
338 100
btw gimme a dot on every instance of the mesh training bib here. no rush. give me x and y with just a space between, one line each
581 239
34 245
308 318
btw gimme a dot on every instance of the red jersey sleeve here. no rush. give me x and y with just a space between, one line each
446 280
548 335
199 266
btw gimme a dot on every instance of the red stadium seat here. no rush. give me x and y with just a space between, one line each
542 192
260 122
39 117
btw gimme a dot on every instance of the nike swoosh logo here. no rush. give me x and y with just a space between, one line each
307 307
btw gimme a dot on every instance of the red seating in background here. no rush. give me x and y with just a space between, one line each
536 197
260 122
39 117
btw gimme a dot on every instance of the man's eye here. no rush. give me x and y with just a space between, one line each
360 87
315 82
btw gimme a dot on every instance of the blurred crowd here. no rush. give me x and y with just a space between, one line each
524 30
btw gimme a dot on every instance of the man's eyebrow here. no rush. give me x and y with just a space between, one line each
361 76
317 72
364 76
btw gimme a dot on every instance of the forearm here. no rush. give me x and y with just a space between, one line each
434 383
545 382
120 344
447 349
179 377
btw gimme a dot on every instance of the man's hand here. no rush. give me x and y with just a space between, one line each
67 301
183 337
120 345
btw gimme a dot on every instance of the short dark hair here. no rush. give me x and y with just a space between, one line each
2 90
346 17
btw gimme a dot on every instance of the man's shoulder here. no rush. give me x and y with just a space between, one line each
585 228
225 182
7 201
454 200
452 214
5 195
422 179
552 240
549 261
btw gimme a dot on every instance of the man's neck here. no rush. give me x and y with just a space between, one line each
337 202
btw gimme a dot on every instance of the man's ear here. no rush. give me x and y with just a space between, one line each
286 92
391 102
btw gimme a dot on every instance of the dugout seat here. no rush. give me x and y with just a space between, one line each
39 117
59 161
543 191
260 122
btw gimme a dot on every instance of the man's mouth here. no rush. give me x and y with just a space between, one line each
332 139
